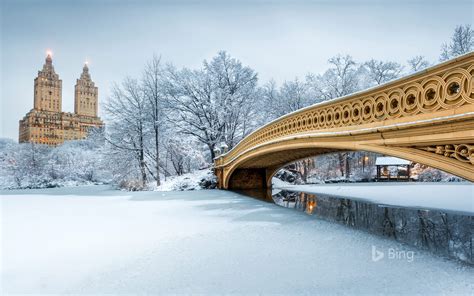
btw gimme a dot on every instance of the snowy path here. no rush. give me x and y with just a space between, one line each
70 241
457 197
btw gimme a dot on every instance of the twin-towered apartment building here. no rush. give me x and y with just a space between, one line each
46 123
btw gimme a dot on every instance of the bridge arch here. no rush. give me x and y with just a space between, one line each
261 176
427 117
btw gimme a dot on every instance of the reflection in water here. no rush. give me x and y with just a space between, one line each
446 233
301 201
262 194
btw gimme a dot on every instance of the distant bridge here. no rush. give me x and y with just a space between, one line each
427 117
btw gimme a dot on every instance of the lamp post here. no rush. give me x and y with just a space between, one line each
364 162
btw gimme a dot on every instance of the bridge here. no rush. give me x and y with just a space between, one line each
427 117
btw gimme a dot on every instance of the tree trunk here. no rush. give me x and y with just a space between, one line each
141 155
211 150
347 166
341 163
157 157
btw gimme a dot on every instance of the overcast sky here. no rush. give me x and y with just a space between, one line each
279 39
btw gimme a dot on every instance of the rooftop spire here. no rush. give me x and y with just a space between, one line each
85 71
49 59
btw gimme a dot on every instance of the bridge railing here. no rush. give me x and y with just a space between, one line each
441 88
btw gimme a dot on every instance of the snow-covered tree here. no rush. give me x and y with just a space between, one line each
291 96
129 127
462 41
184 155
83 160
295 93
380 72
29 165
213 104
339 80
273 105
418 63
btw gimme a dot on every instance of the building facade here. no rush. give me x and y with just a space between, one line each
46 123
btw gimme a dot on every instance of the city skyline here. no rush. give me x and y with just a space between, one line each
280 41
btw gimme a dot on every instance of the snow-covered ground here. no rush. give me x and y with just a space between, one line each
454 196
95 240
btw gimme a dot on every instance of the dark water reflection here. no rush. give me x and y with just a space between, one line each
444 233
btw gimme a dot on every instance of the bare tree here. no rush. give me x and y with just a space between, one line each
462 42
418 63
127 130
381 72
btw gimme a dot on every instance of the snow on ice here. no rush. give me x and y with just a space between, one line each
96 240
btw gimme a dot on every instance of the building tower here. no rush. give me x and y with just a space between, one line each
85 95
48 88
46 124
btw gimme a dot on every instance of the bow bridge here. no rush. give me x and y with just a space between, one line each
427 117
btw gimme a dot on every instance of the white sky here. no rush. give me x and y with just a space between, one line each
279 39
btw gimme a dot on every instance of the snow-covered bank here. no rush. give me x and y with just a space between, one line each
190 181
94 240
457 197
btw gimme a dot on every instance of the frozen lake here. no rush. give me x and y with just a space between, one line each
455 196
97 240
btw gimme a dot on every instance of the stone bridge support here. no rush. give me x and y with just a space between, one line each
250 178
246 178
